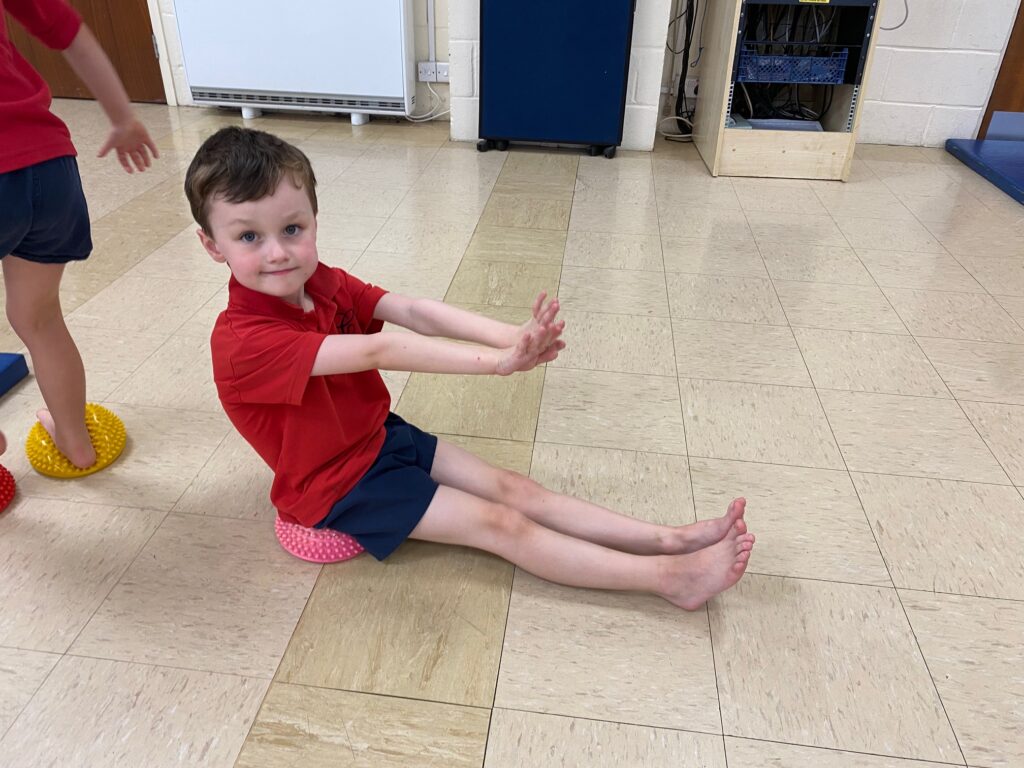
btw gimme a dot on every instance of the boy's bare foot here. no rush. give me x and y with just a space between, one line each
690 538
691 580
82 455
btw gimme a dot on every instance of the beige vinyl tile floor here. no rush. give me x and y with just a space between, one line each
850 357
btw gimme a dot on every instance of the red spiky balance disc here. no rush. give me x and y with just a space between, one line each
6 488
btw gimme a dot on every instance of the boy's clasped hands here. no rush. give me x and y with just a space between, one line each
538 339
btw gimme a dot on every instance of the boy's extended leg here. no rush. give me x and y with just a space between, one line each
458 468
688 581
33 307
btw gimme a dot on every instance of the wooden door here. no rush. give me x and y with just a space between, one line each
1008 93
124 30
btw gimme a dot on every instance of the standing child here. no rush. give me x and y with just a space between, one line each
296 356
44 221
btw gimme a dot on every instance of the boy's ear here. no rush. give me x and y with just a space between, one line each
210 246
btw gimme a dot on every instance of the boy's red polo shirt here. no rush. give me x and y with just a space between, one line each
29 132
318 433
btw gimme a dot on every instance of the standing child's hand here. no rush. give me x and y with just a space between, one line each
133 145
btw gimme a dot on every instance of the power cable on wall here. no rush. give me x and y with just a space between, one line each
684 111
906 16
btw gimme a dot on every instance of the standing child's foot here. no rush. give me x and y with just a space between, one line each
690 538
691 580
78 452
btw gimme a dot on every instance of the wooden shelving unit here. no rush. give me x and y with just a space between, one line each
733 151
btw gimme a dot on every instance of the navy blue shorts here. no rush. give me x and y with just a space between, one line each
391 498
43 214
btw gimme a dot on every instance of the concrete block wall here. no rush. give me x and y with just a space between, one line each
932 77
645 71
171 47
424 99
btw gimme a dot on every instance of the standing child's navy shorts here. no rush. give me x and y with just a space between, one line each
391 498
43 214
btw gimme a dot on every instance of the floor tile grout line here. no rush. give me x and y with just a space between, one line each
592 719
533 443
840 750
905 325
723 735
835 439
66 653
120 576
195 477
768 463
689 476
885 562
35 692
273 678
974 426
959 405
943 380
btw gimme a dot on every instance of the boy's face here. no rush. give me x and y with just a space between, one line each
269 244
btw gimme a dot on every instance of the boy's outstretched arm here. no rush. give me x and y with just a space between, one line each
435 318
350 353
127 136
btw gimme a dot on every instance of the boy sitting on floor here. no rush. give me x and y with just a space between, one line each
296 356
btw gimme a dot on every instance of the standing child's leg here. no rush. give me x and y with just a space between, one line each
33 308
688 581
458 468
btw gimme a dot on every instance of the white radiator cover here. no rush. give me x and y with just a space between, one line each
323 55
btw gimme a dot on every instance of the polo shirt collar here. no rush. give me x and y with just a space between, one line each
322 284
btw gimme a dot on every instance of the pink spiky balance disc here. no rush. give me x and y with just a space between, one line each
317 545
6 488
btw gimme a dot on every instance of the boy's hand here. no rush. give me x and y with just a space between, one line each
542 315
133 145
533 348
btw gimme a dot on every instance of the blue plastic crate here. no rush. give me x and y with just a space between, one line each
763 68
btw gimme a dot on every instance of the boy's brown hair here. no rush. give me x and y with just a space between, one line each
241 164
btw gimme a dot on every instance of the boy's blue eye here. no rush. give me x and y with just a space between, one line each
292 229
248 237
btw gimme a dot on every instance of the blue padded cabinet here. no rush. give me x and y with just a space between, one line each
554 72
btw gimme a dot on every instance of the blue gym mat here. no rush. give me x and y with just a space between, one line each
998 158
12 370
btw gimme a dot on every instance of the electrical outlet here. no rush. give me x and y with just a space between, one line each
691 87
426 72
442 71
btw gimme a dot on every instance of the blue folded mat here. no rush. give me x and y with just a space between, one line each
12 370
1000 156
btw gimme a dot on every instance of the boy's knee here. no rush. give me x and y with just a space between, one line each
516 489
506 522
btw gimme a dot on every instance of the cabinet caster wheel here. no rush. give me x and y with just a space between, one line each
593 151
609 152
484 145
502 146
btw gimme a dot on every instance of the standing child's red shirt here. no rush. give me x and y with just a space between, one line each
320 434
29 132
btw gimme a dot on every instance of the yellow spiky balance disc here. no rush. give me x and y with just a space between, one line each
108 438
